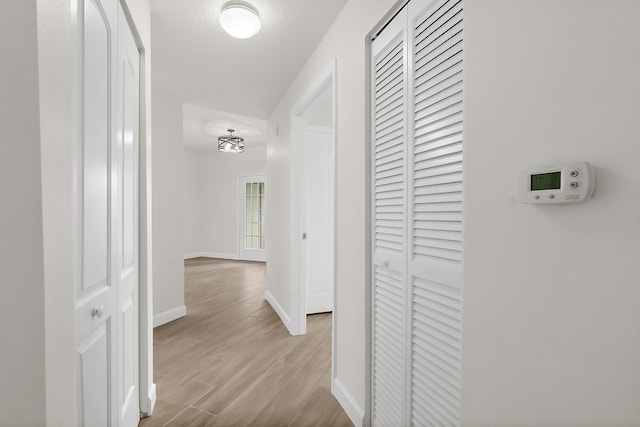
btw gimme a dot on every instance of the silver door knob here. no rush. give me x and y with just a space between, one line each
97 312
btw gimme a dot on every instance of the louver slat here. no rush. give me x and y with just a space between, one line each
436 216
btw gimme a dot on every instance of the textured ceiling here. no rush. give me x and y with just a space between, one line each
197 62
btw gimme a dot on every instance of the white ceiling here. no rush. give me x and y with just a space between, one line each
202 126
197 62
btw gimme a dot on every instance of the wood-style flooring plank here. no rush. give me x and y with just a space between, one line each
320 409
192 417
252 371
231 361
189 393
295 393
163 413
243 409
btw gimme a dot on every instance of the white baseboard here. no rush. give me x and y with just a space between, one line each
348 403
221 255
151 401
169 315
280 311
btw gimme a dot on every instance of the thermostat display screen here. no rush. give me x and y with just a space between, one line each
545 181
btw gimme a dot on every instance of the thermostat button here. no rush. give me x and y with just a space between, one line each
574 184
574 173
551 196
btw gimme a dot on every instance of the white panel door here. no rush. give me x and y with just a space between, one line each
128 78
106 285
96 280
318 220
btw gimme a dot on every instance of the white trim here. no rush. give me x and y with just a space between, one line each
151 401
348 403
169 315
221 255
139 20
284 317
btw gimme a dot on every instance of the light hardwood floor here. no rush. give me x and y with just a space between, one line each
231 361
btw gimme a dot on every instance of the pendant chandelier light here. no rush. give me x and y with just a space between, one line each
230 143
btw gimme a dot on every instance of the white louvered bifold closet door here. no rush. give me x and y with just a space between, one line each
435 214
427 295
389 226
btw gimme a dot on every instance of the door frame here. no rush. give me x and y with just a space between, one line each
297 295
242 180
146 386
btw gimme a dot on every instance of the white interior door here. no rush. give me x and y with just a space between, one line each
128 113
96 247
106 285
389 225
318 220
251 218
436 211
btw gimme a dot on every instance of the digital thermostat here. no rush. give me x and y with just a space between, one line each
562 183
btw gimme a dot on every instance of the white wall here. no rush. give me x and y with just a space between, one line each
345 41
168 219
320 112
192 201
211 198
55 44
551 293
22 363
54 56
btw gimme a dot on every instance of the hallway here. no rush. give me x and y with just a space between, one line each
230 361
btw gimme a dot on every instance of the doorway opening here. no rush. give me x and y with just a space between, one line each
313 130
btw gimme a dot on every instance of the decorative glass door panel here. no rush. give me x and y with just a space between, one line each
254 215
251 218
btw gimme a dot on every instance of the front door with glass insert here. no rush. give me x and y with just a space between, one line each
251 218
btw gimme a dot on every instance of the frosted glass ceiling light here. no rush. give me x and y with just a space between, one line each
240 20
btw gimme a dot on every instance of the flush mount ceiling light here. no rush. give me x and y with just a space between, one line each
230 143
240 20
